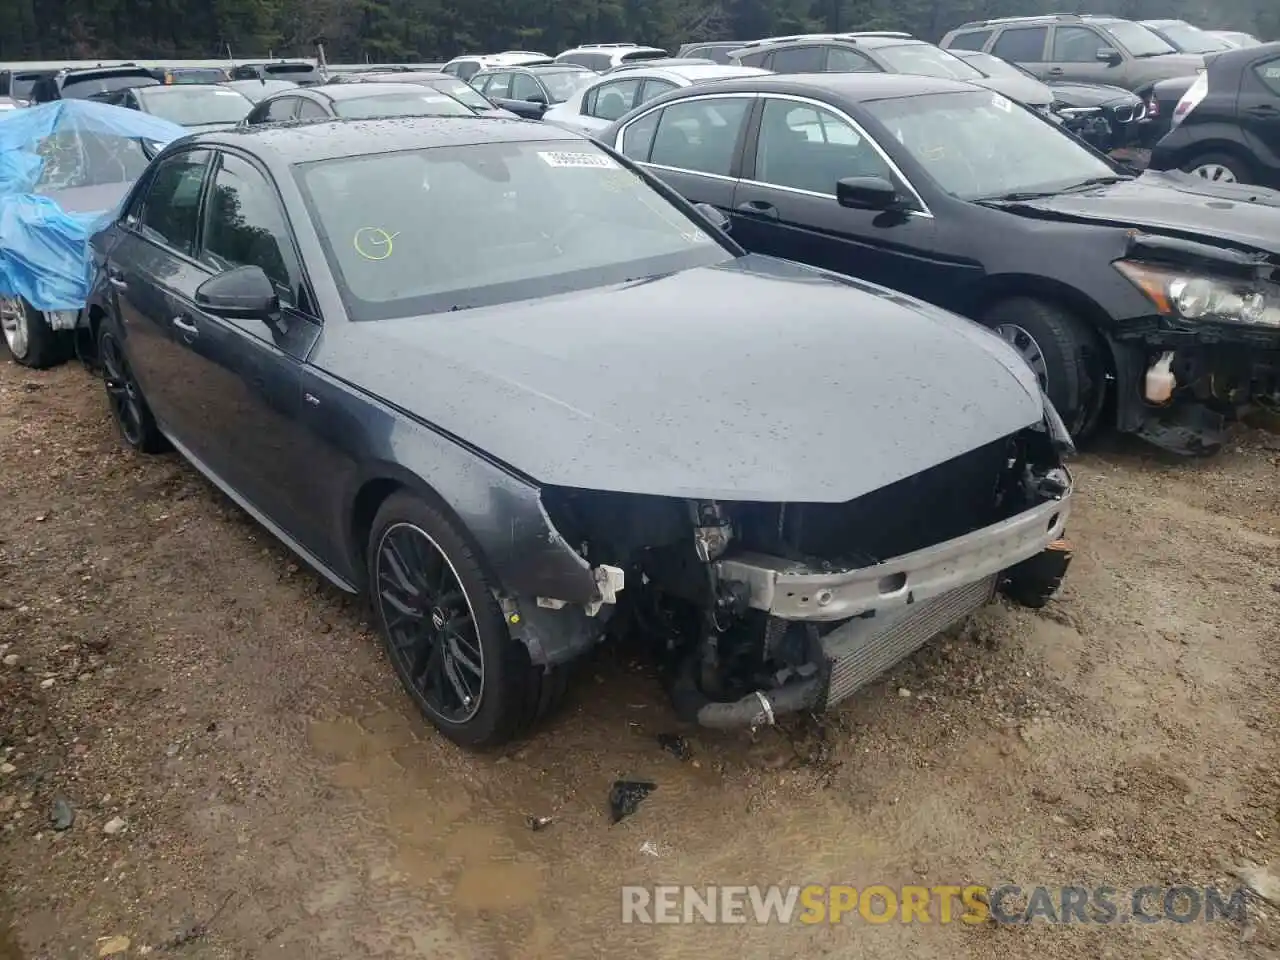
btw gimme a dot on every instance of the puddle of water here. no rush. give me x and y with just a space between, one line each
498 885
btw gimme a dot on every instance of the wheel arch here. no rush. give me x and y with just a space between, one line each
1005 286
1211 145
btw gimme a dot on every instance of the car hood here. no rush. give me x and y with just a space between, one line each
1178 204
1089 94
1023 89
206 127
1169 65
756 379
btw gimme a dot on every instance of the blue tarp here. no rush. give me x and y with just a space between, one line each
63 168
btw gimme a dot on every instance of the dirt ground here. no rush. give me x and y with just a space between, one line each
248 781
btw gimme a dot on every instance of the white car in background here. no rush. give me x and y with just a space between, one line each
592 109
468 65
604 56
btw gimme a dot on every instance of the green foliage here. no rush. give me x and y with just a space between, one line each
390 30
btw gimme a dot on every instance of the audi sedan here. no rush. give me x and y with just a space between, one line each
488 373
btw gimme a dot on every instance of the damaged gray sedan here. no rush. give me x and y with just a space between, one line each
529 401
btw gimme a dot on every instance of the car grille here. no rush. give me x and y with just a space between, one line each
861 650
1128 112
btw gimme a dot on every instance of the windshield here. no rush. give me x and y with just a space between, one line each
288 68
982 145
1190 39
82 158
926 60
75 88
462 92
256 90
190 105
562 83
1137 39
425 231
428 103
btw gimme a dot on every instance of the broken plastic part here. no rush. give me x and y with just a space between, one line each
625 797
609 582
1160 381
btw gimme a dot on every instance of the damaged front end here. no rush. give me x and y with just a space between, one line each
1211 351
757 609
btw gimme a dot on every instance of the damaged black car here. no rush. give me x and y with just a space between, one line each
529 400
1149 300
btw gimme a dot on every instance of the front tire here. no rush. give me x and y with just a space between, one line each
29 338
1218 168
128 406
1064 353
444 632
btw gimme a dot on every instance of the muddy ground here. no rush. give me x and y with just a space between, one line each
175 677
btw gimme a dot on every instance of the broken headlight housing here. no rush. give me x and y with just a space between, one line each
1189 295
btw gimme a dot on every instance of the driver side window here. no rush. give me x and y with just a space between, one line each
245 225
524 87
171 210
808 148
1076 45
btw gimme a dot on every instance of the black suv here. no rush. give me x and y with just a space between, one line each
90 83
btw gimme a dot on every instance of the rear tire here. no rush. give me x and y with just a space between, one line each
1218 168
128 406
451 606
29 338
1070 367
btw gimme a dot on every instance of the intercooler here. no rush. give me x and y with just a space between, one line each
860 650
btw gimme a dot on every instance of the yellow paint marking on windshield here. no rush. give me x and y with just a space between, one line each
374 237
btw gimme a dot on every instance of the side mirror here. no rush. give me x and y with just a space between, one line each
866 193
537 97
242 293
1109 55
715 215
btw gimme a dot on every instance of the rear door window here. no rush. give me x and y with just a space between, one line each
799 60
700 135
282 108
499 85
1021 44
1269 73
844 60
971 40
610 101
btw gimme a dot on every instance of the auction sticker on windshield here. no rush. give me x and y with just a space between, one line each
1001 103
596 160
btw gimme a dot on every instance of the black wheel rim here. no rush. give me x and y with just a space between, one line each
126 402
430 625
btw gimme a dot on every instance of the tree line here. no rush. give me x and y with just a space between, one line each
413 30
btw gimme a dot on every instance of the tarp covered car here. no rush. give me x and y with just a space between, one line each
64 168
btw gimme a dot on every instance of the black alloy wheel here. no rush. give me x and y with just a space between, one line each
435 603
128 407
429 623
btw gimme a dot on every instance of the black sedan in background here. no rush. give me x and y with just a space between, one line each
444 83
1226 124
529 91
486 372
356 101
962 197
196 106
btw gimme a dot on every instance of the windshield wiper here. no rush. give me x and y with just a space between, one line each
1098 182
1017 195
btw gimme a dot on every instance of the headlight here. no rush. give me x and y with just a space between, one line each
1192 296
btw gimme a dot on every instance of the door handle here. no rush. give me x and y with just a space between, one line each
115 279
1056 72
759 208
1262 110
188 328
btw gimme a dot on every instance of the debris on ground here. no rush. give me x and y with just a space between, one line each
538 823
110 946
113 826
63 815
675 745
625 797
1262 882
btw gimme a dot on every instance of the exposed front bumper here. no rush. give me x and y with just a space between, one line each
797 591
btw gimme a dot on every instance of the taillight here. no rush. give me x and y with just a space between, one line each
1190 100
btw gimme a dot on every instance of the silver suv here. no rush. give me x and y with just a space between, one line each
1083 48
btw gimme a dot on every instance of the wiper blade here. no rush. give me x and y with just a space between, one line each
1017 195
1099 182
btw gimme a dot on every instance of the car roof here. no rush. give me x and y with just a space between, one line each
385 76
302 141
358 91
534 68
171 89
849 86
1039 18
1164 23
